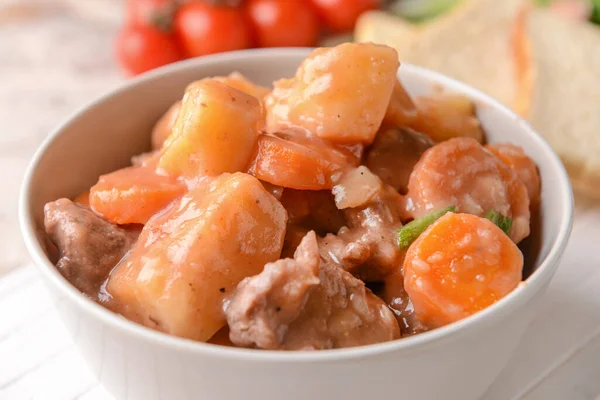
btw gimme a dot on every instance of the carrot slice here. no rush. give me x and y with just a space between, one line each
133 195
514 156
461 264
291 161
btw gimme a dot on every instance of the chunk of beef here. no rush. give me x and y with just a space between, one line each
307 304
398 301
309 210
313 208
89 246
367 247
293 236
394 154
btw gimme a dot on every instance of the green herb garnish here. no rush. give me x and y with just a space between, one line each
411 231
500 220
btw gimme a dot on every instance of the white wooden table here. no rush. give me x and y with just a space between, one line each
50 63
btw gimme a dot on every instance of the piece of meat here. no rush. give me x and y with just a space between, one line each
307 304
395 296
460 172
309 210
367 247
294 234
276 191
394 154
313 208
89 246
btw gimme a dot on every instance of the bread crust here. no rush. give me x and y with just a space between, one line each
488 33
524 71
563 105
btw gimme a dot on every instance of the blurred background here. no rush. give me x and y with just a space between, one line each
57 55
54 57
540 57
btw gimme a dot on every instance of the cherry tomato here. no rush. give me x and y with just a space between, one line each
341 15
279 23
206 29
141 48
150 13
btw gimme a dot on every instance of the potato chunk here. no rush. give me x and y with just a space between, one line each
164 126
340 93
240 82
215 131
402 110
446 116
193 254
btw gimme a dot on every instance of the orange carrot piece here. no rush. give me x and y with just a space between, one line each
461 264
514 156
133 195
294 162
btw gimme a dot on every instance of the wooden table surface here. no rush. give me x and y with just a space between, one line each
55 57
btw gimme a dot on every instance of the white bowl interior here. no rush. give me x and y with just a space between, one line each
103 136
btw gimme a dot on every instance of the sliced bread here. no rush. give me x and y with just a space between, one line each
474 43
565 95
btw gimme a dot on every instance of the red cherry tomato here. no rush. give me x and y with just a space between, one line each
341 15
280 23
149 12
141 48
206 29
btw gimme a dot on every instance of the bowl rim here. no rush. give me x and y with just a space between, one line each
501 309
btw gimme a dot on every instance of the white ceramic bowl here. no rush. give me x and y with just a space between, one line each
458 361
